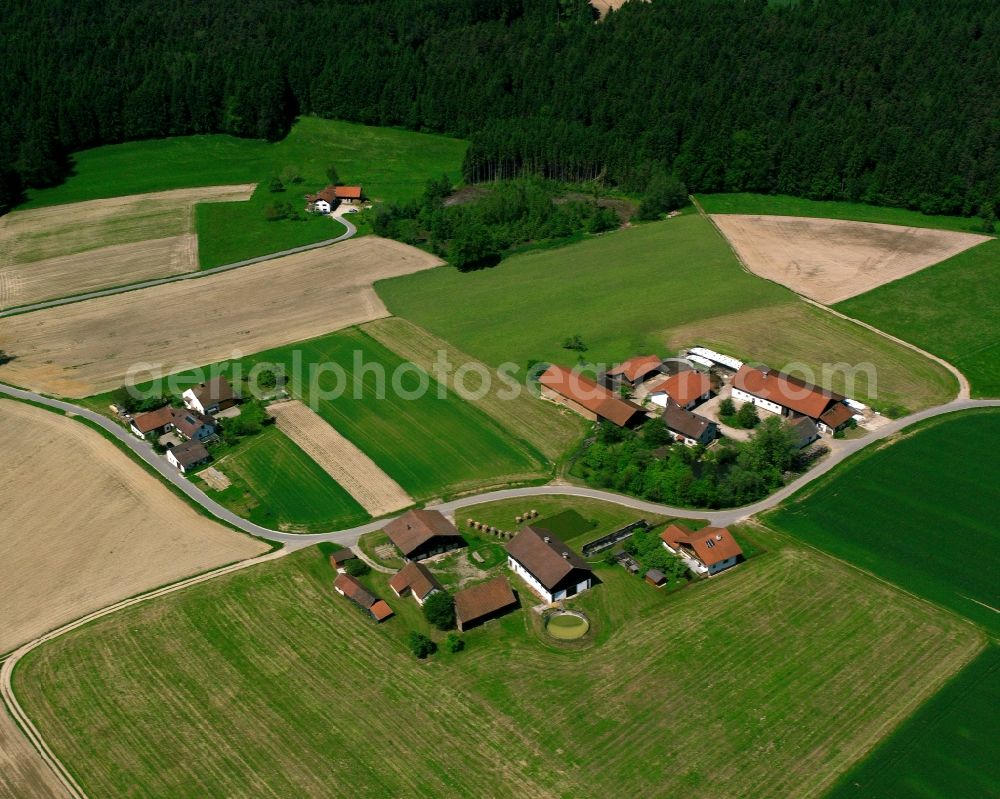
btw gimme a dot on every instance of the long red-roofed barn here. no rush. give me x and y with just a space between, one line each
587 398
788 396
709 551
479 603
419 534
349 587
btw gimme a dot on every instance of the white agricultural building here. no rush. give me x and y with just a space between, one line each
707 357
549 567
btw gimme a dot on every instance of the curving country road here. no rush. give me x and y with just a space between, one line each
349 536
160 281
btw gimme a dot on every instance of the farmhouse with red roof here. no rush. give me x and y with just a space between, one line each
709 551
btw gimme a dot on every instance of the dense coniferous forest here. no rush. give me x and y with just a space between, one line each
893 102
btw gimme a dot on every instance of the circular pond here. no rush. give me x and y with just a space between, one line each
567 626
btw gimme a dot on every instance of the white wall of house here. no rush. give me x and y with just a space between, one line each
742 396
137 432
530 579
322 206
192 402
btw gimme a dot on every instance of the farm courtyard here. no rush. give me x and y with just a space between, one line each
791 666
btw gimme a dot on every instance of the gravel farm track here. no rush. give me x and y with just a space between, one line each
349 537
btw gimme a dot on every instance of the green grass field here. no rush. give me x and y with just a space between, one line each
391 165
784 205
655 287
947 750
285 689
431 445
276 485
951 309
920 513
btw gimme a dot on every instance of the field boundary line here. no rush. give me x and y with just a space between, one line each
351 230
964 390
21 717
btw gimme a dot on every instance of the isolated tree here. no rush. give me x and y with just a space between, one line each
747 416
454 643
439 610
274 185
290 175
420 645
357 567
727 407
332 175
5 358
575 342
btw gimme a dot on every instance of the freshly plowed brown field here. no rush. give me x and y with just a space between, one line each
71 249
357 474
82 349
830 260
84 526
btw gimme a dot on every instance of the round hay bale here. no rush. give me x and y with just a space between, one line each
520 519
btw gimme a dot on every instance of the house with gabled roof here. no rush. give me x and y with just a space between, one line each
688 389
549 567
420 534
789 396
187 456
707 551
327 199
193 425
414 579
349 587
687 427
153 423
478 604
584 396
209 397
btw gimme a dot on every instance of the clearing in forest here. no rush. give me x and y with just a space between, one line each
793 666
72 249
549 427
85 526
830 260
88 347
358 474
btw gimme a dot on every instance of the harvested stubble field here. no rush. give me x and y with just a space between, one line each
72 249
82 349
651 288
354 471
84 526
23 773
830 260
793 667
553 430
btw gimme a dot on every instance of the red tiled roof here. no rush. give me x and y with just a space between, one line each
584 391
710 545
684 387
637 367
837 415
153 420
380 610
802 397
483 599
417 578
416 527
354 591
347 192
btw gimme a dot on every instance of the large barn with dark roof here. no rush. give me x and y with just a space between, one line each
547 565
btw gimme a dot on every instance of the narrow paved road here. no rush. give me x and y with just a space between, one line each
160 281
350 536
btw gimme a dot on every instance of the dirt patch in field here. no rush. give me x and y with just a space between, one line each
356 473
830 260
215 479
84 526
70 249
81 349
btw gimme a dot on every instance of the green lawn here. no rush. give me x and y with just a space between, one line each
276 485
283 688
391 164
947 750
654 287
920 513
951 309
783 205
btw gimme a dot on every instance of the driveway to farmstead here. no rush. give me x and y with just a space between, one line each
337 215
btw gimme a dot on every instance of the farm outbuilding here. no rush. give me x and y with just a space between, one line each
688 389
479 603
635 371
788 396
414 579
587 398
349 587
547 565
419 534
